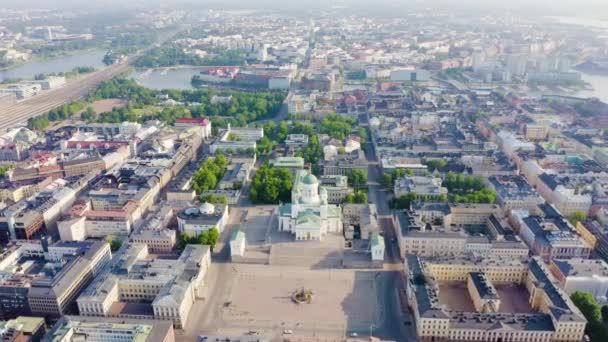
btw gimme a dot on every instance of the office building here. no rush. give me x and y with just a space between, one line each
80 328
553 316
589 275
154 288
44 280
194 221
419 185
336 187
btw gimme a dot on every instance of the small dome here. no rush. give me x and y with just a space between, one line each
207 208
309 179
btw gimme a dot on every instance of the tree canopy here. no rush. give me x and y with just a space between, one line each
173 55
337 126
209 174
357 197
577 217
592 311
358 179
60 113
244 107
208 237
271 185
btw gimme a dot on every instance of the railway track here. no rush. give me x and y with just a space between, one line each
21 111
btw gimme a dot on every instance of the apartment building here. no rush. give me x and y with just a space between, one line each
169 286
550 235
20 222
361 218
77 167
153 230
564 197
514 193
595 234
203 124
50 276
589 275
491 238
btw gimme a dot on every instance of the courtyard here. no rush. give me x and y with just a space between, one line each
513 297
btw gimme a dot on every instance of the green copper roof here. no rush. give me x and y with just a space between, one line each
309 179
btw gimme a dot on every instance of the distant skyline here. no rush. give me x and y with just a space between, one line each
586 8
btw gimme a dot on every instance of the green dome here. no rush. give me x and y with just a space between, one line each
309 179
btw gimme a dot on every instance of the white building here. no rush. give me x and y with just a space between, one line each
410 75
377 248
171 285
420 185
309 216
590 275
237 244
194 221
279 82
237 138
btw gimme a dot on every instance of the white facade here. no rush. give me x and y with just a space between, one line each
377 248
410 75
102 228
72 229
309 216
279 82
237 244
195 221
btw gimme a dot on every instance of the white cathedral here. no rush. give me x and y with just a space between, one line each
309 216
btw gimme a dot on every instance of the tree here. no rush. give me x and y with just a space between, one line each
115 243
587 304
605 313
5 168
360 197
184 239
214 236
350 198
271 185
386 180
577 217
404 201
358 179
436 164
88 115
589 307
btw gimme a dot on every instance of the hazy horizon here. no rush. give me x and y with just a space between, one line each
582 8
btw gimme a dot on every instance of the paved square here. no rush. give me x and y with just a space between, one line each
261 297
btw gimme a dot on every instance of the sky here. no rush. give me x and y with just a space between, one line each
585 8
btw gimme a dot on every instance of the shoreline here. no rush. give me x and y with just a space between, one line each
47 58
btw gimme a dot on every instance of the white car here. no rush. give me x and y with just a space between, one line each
287 332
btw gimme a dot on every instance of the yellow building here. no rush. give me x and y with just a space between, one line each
586 233
555 318
484 295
